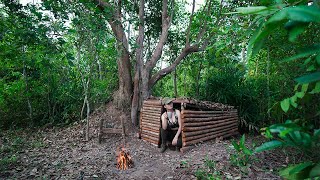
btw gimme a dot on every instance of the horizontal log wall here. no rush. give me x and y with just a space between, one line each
197 125
150 121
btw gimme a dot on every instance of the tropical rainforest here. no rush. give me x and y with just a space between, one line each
62 60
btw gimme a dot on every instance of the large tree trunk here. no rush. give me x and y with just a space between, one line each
136 99
122 97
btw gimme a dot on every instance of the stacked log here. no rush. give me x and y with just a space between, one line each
199 126
150 121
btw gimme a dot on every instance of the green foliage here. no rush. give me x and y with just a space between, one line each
209 171
40 82
296 19
301 138
243 155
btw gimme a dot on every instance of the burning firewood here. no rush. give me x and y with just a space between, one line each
124 160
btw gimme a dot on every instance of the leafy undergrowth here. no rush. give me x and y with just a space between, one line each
13 144
245 163
54 153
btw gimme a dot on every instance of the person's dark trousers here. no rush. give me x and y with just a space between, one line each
164 136
169 135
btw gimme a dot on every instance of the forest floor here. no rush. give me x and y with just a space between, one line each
62 153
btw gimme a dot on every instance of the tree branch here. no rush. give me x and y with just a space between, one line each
163 72
115 22
163 38
189 27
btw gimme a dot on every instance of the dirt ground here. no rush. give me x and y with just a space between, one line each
64 154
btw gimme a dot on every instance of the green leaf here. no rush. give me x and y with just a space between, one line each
293 100
297 13
308 78
316 135
295 31
315 171
247 151
235 145
304 87
306 140
316 89
318 59
311 68
242 141
299 94
250 10
307 61
299 167
304 53
285 104
269 145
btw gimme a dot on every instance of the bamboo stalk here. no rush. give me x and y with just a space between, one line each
207 112
221 123
190 138
194 133
201 115
196 124
199 120
224 134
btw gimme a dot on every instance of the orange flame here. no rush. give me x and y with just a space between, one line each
124 160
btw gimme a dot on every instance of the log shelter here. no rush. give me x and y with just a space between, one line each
201 121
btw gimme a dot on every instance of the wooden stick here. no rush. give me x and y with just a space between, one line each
150 132
199 120
151 120
150 140
100 134
201 115
151 113
224 134
218 124
149 136
207 112
150 124
185 149
155 102
190 138
151 116
156 130
196 124
150 108
194 133
111 131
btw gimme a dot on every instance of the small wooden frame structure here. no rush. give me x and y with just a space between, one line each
201 121
103 130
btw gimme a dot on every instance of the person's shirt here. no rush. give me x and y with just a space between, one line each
172 119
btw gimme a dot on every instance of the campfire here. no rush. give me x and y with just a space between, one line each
124 160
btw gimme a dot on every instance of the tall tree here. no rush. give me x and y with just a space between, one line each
145 77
